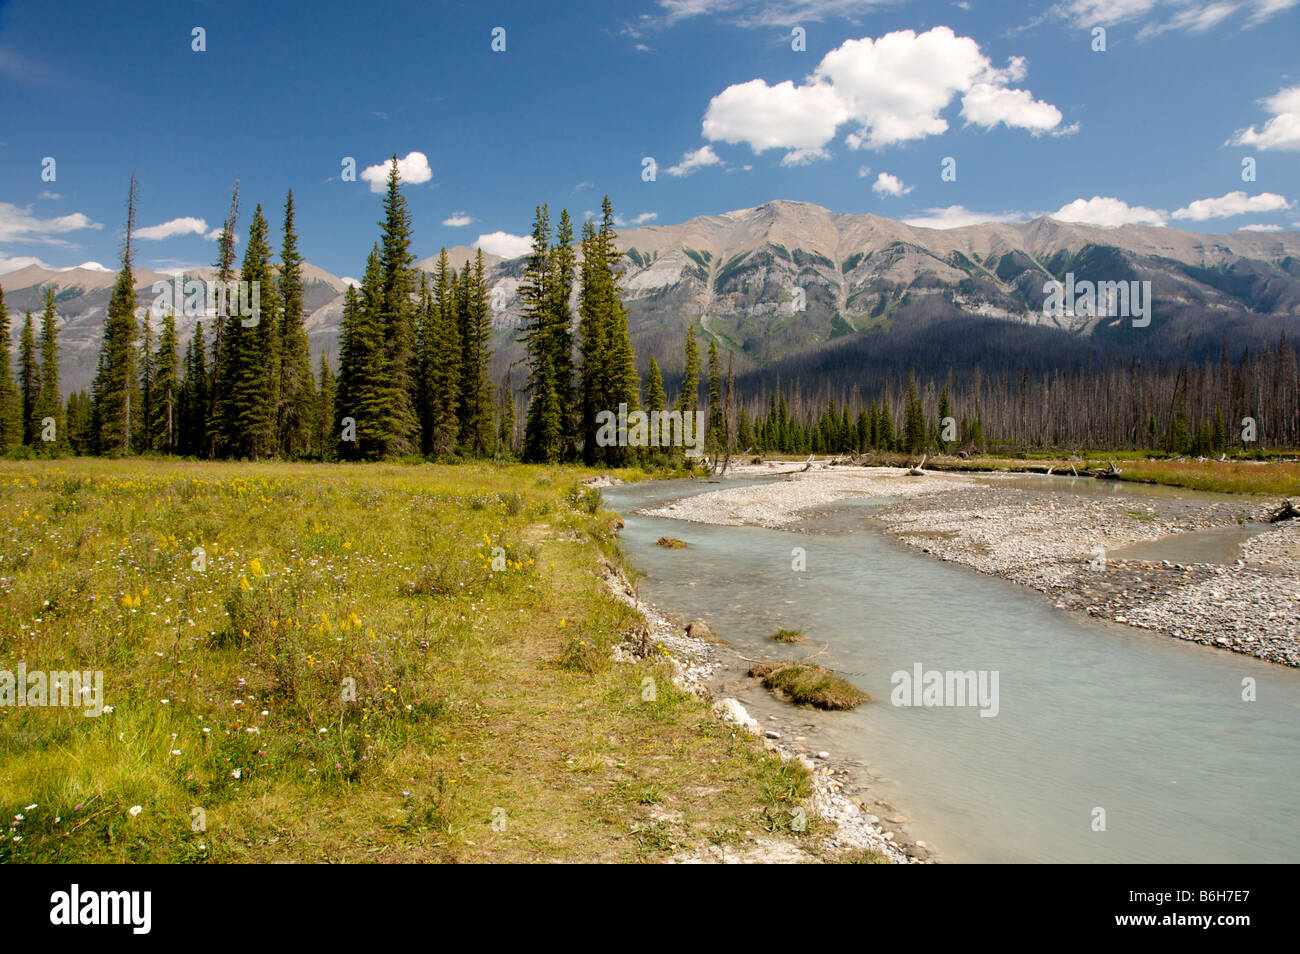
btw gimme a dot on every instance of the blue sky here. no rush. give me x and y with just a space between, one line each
1153 129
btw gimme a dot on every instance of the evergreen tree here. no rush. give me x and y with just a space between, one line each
297 391
114 397
655 398
29 383
914 422
11 420
445 365
543 428
50 403
506 429
395 429
145 419
593 345
248 375
688 399
560 320
625 385
716 433
475 390
324 441
215 387
78 417
164 420
945 411
194 401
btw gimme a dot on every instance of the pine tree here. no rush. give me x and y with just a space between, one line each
29 383
715 436
624 384
78 418
324 442
542 429
562 261
445 366
475 390
506 429
945 411
655 398
164 422
914 423
593 345
395 430
49 406
114 397
194 401
215 387
297 391
11 421
145 418
248 375
688 398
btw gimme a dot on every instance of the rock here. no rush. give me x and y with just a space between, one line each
772 734
698 629
732 712
823 755
896 819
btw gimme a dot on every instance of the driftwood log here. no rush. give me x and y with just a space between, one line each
1287 511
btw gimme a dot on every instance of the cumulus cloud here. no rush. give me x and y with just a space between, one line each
1282 131
1230 204
1260 228
886 184
693 161
187 225
457 219
893 89
1108 212
957 216
504 244
18 224
413 170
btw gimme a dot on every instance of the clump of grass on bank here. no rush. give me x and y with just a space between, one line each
787 636
671 543
809 684
333 663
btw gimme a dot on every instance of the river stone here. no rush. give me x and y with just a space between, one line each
732 712
698 629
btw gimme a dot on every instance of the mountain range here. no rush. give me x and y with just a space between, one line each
786 282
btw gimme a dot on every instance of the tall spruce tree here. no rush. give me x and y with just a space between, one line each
445 361
248 375
543 426
624 384
716 433
688 398
297 392
562 262
323 441
475 405
11 422
396 429
225 273
29 382
148 372
593 344
164 421
655 398
50 405
114 394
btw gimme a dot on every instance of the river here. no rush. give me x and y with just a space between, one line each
1096 722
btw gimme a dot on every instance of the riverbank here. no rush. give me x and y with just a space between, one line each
1068 546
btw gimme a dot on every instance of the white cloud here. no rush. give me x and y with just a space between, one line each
21 261
636 220
1282 131
20 225
746 13
48 195
691 161
187 225
893 89
1230 204
1108 212
413 170
864 171
1260 228
956 217
1193 16
457 219
504 244
886 184
987 105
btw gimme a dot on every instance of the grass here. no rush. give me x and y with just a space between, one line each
672 543
333 663
809 684
787 636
